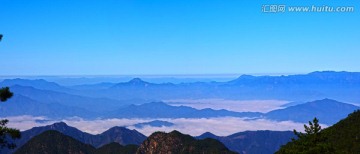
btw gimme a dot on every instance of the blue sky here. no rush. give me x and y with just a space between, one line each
88 37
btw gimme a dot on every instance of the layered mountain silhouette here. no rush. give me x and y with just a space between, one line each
119 135
154 123
52 141
342 86
265 142
163 110
312 86
71 100
37 83
329 111
21 105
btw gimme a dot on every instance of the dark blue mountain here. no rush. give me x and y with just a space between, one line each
119 135
162 110
264 142
327 111
155 123
136 82
208 135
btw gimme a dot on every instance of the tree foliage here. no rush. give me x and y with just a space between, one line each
7 133
5 94
313 141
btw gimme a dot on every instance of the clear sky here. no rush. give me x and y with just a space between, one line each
121 37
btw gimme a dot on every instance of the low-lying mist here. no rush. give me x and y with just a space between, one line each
219 126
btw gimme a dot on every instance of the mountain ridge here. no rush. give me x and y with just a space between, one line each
117 134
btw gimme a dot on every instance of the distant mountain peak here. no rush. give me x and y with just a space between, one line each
59 124
137 81
207 135
245 76
154 123
117 128
152 104
157 104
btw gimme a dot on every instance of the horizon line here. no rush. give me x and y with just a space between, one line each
171 75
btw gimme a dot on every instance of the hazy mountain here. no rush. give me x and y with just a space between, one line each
53 142
162 110
327 110
342 137
20 105
155 123
137 88
119 135
50 97
175 142
343 86
264 142
312 86
292 104
97 86
38 84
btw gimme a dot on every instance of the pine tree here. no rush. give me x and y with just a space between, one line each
312 141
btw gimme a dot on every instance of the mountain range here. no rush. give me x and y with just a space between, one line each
54 142
303 87
163 110
342 135
242 142
119 135
154 123
327 110
265 142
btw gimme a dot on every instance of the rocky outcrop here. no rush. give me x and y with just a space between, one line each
177 143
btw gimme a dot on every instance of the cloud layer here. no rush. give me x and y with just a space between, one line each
219 126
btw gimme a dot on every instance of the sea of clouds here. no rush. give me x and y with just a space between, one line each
219 126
